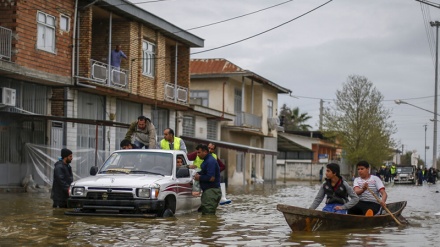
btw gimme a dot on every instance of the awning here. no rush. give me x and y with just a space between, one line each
230 145
30 117
286 144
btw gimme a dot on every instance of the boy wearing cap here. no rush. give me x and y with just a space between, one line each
337 191
142 132
62 178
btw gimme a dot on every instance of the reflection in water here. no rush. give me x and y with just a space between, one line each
251 220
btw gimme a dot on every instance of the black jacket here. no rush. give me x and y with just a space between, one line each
337 194
62 178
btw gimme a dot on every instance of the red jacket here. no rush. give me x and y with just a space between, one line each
192 156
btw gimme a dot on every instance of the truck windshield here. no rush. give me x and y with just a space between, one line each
405 170
129 162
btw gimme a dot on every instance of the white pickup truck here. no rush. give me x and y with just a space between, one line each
136 182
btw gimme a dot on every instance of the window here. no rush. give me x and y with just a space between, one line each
64 23
45 32
199 97
189 124
212 129
269 108
161 121
148 58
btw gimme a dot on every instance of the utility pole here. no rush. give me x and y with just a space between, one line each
426 147
321 110
435 24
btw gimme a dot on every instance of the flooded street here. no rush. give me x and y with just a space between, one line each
251 220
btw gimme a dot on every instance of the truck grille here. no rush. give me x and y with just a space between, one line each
109 196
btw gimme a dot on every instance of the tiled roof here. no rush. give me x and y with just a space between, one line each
213 66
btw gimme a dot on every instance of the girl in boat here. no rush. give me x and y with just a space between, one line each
337 191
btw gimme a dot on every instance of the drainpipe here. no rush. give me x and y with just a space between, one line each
109 82
175 75
252 97
74 39
223 102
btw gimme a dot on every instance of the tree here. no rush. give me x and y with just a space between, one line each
359 121
293 120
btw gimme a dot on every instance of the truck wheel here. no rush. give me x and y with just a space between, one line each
168 213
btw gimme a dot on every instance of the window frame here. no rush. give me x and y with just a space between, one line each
46 27
195 94
62 16
148 59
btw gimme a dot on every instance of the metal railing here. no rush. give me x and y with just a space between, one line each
99 73
247 120
5 43
182 93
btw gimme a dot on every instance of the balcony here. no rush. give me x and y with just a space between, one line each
245 119
5 43
99 74
170 92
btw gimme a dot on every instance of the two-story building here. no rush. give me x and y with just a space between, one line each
249 141
60 90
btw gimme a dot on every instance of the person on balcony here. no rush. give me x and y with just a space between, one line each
116 59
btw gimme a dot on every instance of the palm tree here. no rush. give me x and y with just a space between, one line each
293 120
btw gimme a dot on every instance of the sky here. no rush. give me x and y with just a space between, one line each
389 42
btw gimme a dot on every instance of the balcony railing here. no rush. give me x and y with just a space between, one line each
245 119
182 93
99 74
5 43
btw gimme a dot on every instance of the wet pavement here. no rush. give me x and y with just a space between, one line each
251 220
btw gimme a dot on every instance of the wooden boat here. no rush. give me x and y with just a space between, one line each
308 220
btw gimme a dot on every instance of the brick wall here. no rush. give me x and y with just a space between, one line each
25 33
57 102
85 42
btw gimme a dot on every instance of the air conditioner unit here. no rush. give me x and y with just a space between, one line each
273 123
7 96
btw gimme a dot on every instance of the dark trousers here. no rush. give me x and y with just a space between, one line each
362 206
210 200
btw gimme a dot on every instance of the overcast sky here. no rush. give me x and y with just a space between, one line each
385 41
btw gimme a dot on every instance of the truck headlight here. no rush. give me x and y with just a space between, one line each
78 191
143 193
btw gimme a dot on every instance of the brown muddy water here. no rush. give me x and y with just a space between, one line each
251 220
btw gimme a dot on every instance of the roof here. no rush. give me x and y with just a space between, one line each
230 145
222 68
127 8
297 143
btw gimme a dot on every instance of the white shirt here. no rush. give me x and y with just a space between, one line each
374 183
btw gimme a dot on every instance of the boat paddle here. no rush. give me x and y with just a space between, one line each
385 207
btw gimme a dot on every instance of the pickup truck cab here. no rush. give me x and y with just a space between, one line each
136 181
405 175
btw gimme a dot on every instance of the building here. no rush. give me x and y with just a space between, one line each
250 140
59 88
303 153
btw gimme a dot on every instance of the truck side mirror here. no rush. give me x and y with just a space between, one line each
93 170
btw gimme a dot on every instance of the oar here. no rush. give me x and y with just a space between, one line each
378 200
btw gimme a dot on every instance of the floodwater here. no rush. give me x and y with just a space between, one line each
250 220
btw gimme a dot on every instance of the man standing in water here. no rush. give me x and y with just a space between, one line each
209 178
62 178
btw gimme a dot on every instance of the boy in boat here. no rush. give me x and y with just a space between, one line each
367 201
337 191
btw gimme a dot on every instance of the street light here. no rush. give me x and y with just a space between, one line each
434 150
398 101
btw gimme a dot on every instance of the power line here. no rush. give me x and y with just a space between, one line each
258 34
233 18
